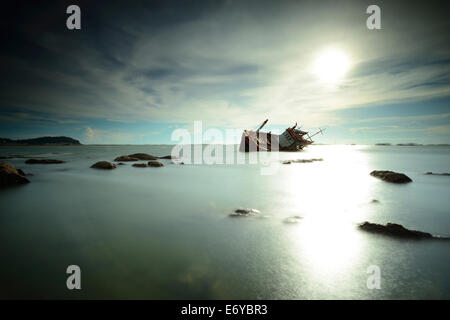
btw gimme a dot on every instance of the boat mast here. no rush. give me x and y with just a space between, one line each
261 126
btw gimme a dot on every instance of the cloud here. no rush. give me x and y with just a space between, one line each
228 64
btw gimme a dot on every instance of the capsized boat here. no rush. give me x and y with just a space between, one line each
291 139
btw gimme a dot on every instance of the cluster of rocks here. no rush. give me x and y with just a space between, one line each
142 156
155 164
133 158
301 161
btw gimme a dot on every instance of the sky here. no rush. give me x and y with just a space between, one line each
138 70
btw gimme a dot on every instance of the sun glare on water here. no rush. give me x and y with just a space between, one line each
331 65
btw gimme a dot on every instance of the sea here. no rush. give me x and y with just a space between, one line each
170 233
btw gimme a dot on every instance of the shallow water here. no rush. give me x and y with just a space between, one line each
166 232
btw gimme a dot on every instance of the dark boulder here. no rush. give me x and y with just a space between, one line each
155 164
394 230
168 157
104 165
43 161
10 176
143 156
391 176
126 158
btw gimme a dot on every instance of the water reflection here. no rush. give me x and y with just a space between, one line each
327 241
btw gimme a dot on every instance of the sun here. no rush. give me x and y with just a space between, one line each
331 65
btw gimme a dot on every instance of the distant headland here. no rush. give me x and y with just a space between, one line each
41 141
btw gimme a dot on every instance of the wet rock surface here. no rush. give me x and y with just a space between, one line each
394 230
140 165
168 157
43 161
244 212
391 176
106 165
10 176
142 156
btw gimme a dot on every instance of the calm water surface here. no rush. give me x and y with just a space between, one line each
166 233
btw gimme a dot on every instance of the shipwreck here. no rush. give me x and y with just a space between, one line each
291 139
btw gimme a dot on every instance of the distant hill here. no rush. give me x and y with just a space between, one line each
40 141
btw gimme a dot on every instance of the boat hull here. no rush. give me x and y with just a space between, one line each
253 141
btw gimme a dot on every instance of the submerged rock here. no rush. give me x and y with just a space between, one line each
126 158
437 174
142 156
301 161
140 165
155 164
293 220
391 176
43 161
177 161
168 157
121 164
10 176
244 212
103 165
375 201
394 230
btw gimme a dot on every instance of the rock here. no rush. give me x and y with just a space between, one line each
126 158
293 220
301 161
177 161
375 201
155 164
244 212
43 161
10 176
121 164
438 174
103 165
168 157
140 165
21 172
391 176
394 230
143 156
